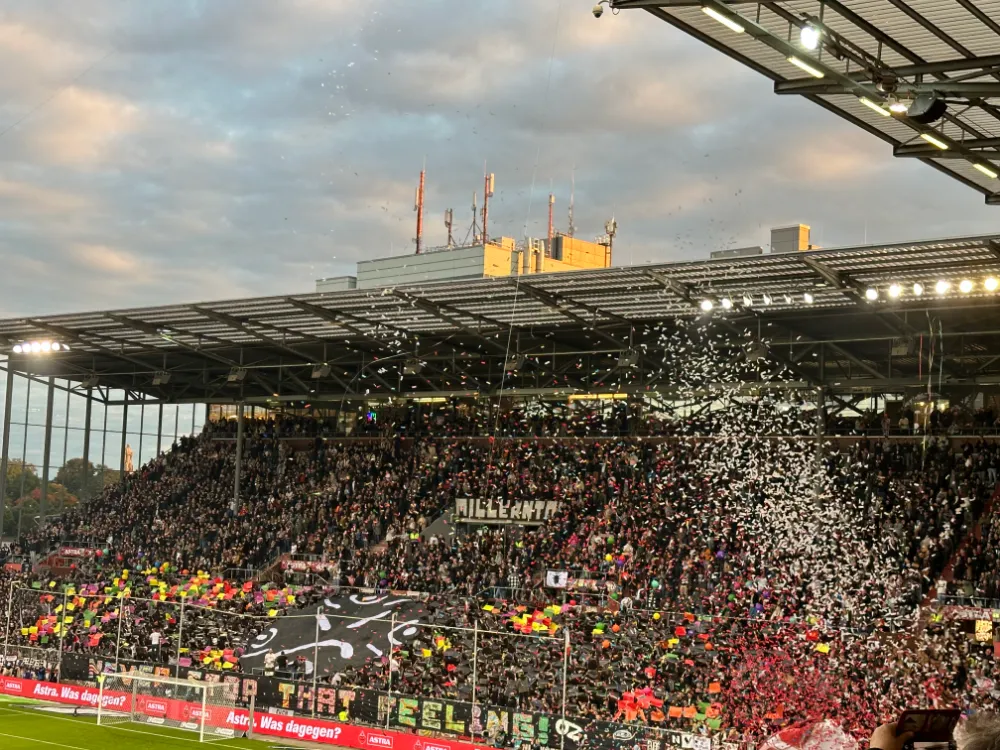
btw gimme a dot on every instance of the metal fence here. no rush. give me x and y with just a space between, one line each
478 671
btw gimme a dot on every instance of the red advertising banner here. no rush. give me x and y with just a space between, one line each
77 552
226 720
13 567
953 612
306 566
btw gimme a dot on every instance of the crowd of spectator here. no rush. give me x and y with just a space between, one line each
714 569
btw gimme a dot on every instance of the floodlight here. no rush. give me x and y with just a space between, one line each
727 303
965 286
628 359
809 36
927 108
991 284
808 298
706 305
46 346
918 289
942 286
806 67
35 347
895 290
17 349
767 299
726 21
514 363
899 106
413 366
747 300
871 294
56 346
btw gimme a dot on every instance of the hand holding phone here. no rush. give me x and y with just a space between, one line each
886 737
929 727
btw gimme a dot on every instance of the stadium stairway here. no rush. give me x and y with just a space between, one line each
442 526
948 573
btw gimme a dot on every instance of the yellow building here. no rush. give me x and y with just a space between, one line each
500 257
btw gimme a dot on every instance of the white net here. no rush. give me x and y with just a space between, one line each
203 707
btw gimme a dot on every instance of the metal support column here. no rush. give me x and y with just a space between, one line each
4 455
142 430
46 458
85 486
239 457
121 468
159 432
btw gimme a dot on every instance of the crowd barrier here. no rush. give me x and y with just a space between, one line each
236 720
442 720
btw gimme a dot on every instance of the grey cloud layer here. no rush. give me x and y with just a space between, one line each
201 149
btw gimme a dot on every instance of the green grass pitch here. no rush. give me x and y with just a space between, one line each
24 725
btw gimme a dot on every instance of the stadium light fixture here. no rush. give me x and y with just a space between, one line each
767 299
918 289
39 347
895 290
965 286
706 305
809 37
871 294
991 284
988 171
727 303
874 106
899 106
808 298
725 20
806 67
747 300
934 141
942 286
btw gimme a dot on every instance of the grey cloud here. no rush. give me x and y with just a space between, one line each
256 157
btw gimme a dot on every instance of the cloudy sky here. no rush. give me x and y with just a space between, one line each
182 150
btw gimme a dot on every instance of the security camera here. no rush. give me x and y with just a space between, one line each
598 11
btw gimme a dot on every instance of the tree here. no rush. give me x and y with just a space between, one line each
16 471
86 481
58 497
75 476
110 476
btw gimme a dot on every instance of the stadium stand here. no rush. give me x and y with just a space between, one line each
690 602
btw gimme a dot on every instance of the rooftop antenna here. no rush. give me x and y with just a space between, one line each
475 219
487 194
571 229
449 222
548 248
418 206
611 228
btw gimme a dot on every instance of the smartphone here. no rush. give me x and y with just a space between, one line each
929 727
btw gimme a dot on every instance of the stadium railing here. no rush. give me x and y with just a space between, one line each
963 600
68 655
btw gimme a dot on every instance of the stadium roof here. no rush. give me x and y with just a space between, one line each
873 50
575 330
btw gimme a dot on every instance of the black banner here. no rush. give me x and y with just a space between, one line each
527 512
343 631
